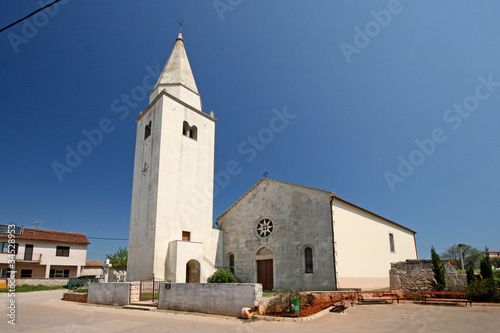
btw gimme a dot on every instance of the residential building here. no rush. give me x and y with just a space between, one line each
43 253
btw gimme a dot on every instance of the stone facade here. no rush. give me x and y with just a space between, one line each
412 276
300 218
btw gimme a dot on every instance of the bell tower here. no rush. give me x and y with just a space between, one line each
171 235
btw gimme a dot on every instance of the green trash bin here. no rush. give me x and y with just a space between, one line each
295 306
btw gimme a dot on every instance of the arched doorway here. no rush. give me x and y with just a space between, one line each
193 271
265 271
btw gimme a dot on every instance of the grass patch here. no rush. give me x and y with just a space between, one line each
26 289
268 294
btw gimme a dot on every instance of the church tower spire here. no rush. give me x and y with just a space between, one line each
177 77
171 235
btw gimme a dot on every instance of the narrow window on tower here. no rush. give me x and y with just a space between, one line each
308 257
147 131
231 263
186 236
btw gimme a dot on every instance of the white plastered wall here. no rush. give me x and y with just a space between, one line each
363 252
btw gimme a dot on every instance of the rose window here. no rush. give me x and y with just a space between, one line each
265 228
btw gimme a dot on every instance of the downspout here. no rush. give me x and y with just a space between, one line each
333 244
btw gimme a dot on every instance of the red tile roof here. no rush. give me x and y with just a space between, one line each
93 263
51 236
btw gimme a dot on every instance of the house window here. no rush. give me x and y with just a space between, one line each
231 263
59 273
308 258
26 273
4 272
62 251
391 242
189 131
4 247
186 236
147 131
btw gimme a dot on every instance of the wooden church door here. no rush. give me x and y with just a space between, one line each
265 273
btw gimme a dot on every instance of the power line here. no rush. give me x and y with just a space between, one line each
24 18
107 238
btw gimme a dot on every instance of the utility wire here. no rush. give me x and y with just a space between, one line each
24 18
106 238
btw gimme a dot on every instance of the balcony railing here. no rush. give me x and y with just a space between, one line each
36 258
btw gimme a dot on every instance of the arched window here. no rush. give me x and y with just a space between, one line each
185 128
231 263
189 131
147 131
308 257
193 133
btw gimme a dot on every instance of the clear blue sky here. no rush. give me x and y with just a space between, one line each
361 100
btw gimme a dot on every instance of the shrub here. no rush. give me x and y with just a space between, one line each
222 276
483 290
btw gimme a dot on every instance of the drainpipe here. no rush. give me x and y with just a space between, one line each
333 243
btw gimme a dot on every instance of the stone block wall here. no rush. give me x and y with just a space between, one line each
135 293
42 282
412 276
75 297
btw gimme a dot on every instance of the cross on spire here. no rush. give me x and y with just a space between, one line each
265 173
181 25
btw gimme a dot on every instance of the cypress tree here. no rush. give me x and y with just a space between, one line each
439 282
486 267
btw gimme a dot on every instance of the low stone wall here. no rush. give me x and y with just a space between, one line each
412 276
75 297
135 292
109 293
42 282
215 298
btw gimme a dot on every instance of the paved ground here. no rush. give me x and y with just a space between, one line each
46 312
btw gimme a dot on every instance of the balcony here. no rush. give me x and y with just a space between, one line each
33 258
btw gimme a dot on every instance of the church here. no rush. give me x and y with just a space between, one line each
281 235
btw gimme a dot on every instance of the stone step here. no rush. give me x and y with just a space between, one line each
145 303
137 307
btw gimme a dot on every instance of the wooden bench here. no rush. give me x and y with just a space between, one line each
440 297
338 304
378 296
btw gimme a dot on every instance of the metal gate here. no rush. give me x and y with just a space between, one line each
150 289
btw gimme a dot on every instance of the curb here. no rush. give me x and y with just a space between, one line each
289 319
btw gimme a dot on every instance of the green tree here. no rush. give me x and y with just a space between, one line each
486 267
439 282
470 275
222 276
472 256
119 259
